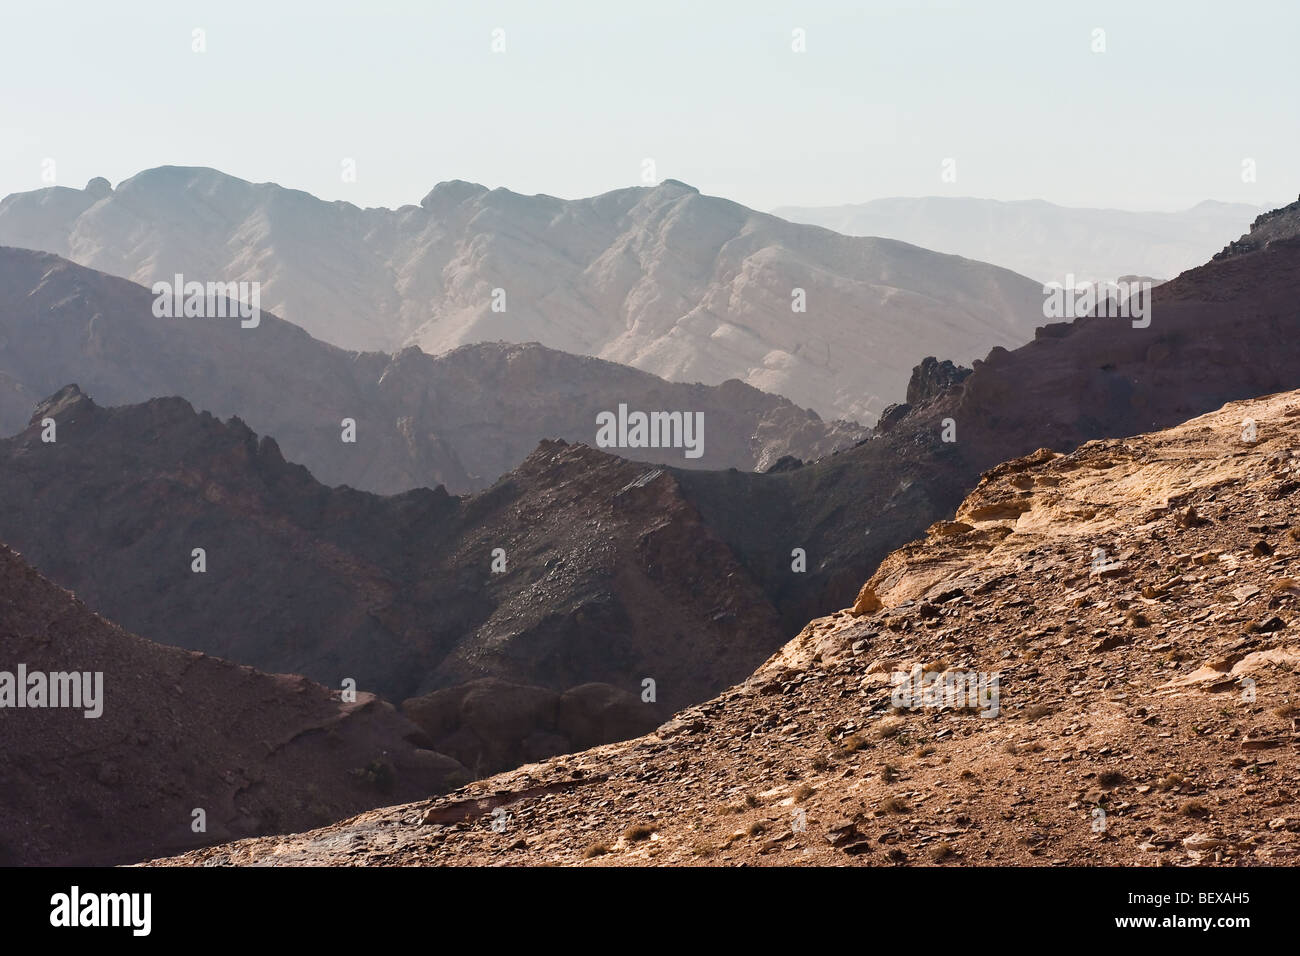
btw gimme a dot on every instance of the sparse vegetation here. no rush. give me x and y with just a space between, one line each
894 805
638 832
853 743
378 774
941 851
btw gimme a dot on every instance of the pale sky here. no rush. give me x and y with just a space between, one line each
710 90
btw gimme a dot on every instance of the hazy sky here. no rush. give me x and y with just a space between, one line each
711 91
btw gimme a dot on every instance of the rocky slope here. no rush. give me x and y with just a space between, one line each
577 568
1220 332
1136 601
685 286
1041 240
1283 223
178 731
462 419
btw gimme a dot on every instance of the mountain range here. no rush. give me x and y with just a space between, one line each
1042 240
691 288
461 419
1133 595
1137 711
610 572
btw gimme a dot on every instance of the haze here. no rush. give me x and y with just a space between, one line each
712 93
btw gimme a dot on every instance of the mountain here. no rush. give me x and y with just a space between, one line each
175 731
684 286
577 568
615 572
462 419
1140 708
1041 240
1218 333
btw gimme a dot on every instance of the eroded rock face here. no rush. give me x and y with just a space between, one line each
1115 685
932 378
178 731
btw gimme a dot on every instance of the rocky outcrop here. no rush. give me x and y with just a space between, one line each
932 378
1272 226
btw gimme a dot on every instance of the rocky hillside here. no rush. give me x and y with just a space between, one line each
176 731
684 286
1283 223
1040 239
461 420
1122 619
577 568
1218 333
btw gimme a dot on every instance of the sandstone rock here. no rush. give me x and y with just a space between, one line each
866 602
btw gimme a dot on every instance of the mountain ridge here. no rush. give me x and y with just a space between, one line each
461 419
1044 240
661 278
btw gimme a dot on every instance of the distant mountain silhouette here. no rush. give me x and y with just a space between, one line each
1041 240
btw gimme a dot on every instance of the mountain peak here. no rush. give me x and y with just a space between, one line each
677 185
68 398
452 192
